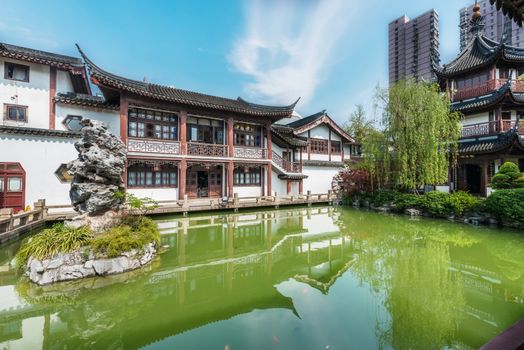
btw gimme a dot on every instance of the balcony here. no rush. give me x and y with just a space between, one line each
489 128
206 149
286 165
152 146
486 88
249 152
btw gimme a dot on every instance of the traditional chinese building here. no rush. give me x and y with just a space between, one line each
179 142
485 84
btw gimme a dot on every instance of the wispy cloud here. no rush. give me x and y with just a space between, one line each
17 33
288 45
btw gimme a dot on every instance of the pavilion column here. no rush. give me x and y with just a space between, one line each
182 180
301 186
230 137
269 142
342 151
309 145
230 170
183 132
300 159
329 145
288 186
52 93
484 178
124 106
269 174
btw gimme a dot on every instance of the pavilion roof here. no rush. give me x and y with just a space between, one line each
285 134
310 122
184 97
491 145
503 94
481 52
85 100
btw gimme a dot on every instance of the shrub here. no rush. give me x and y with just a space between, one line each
382 197
435 203
508 176
51 241
355 182
507 205
462 202
407 200
133 233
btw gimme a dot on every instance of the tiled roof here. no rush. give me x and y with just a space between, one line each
185 97
285 134
19 130
85 101
480 52
490 144
292 176
322 163
514 9
41 57
306 120
314 119
481 101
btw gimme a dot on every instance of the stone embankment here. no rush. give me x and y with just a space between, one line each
82 264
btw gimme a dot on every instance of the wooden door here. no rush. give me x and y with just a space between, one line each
215 182
192 183
12 186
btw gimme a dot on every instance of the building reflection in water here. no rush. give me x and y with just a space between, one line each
454 289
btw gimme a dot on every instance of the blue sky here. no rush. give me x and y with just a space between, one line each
331 53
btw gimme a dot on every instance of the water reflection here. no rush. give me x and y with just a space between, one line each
300 278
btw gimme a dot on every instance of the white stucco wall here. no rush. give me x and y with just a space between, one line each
347 152
40 157
247 191
319 179
34 94
110 118
476 118
277 185
319 132
158 194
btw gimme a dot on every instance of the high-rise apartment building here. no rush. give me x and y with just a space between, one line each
494 21
413 47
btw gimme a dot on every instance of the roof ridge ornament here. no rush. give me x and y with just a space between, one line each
477 21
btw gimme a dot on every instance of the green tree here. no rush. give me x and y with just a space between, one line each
508 176
358 125
420 132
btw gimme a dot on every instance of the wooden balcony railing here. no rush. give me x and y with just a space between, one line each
489 128
249 152
286 165
486 88
206 149
151 146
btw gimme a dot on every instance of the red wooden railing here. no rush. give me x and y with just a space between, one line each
206 149
489 128
290 167
486 88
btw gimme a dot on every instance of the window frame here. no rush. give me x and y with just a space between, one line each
251 178
319 146
240 136
27 68
11 105
149 174
153 124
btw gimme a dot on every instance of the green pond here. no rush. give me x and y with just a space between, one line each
301 278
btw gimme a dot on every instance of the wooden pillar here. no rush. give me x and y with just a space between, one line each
300 159
342 151
288 186
182 180
262 181
484 179
269 174
230 170
52 94
124 106
269 146
329 145
183 132
309 145
301 186
230 136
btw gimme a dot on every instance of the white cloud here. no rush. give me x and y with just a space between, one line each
18 34
287 46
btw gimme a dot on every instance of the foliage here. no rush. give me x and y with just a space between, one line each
462 202
51 241
137 206
434 203
358 125
508 176
133 233
377 159
507 205
355 182
420 136
385 196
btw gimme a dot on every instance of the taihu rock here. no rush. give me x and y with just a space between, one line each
97 172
